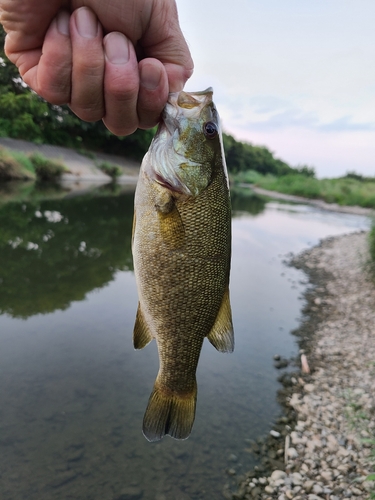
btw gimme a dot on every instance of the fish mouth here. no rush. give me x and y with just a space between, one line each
183 104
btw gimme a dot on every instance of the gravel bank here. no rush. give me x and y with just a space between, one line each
323 448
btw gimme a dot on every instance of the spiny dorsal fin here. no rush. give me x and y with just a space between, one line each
221 334
141 333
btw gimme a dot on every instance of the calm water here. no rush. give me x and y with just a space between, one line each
73 390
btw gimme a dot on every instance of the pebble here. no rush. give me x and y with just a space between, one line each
275 434
324 445
317 489
278 474
292 453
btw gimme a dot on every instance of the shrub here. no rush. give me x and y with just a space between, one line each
110 169
15 166
45 168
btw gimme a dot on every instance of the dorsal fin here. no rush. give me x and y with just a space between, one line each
221 334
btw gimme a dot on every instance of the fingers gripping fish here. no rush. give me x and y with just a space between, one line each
181 250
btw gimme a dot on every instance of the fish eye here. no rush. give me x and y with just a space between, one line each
210 130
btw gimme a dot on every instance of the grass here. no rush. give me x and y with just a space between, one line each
358 420
46 169
110 169
353 189
15 165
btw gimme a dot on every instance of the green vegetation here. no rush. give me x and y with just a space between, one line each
242 156
18 166
110 169
45 168
15 167
351 189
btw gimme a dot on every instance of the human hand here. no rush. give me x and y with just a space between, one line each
86 56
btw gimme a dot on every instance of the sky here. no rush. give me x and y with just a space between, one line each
297 76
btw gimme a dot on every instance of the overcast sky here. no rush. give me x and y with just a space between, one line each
297 76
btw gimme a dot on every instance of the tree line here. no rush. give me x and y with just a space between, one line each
25 115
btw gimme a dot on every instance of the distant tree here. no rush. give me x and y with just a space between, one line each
306 170
242 156
9 77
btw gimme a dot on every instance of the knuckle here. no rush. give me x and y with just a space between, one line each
122 91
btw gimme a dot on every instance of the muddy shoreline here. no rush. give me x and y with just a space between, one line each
323 446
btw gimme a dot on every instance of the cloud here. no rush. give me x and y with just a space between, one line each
346 124
268 113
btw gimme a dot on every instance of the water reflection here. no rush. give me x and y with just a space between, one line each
53 252
245 200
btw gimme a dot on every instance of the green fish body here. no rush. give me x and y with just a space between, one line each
181 251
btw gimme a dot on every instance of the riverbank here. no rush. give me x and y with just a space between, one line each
333 207
324 446
83 168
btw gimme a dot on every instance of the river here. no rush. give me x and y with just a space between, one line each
73 390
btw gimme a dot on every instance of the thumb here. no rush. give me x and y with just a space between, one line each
163 40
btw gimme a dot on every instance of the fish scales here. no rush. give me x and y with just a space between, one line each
181 249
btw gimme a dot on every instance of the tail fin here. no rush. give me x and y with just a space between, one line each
170 414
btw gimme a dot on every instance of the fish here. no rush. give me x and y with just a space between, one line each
181 249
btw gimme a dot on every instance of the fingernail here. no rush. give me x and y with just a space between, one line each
116 47
86 22
62 22
150 76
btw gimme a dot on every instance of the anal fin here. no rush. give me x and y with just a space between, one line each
221 334
141 333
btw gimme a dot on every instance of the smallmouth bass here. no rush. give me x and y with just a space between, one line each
181 250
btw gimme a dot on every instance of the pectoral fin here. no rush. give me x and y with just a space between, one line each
221 335
172 229
171 225
141 333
